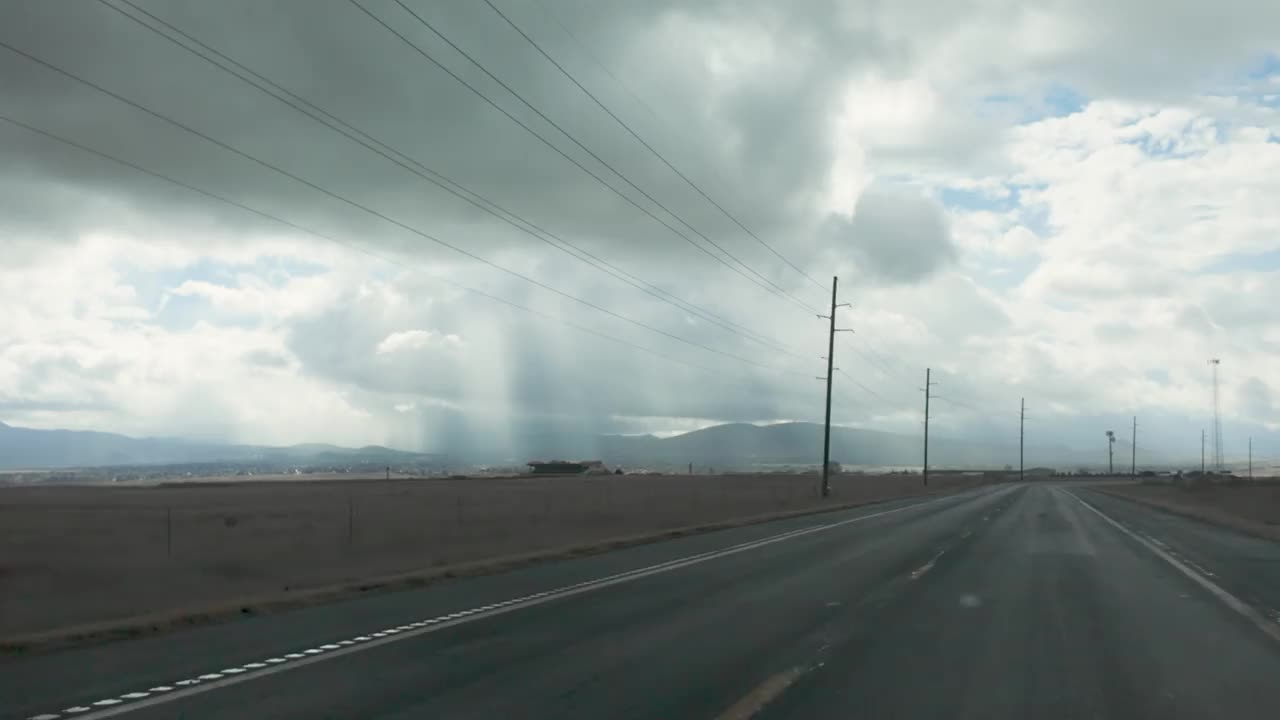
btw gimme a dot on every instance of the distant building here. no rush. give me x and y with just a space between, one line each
556 467
567 467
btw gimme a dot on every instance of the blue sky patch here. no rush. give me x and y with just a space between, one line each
1007 276
181 312
1266 261
1167 147
1062 100
1265 67
1058 101
966 199
1036 219
151 286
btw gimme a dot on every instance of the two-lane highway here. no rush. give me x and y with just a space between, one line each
1009 601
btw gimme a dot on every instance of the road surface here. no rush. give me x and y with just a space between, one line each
1037 601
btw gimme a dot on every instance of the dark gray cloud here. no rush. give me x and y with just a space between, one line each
749 98
1255 399
764 131
898 235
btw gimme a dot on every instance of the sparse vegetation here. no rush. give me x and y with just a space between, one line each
76 555
1251 507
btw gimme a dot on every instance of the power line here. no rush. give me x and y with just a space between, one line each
597 158
766 284
349 131
586 50
875 367
957 403
867 359
649 147
884 364
373 212
358 248
878 362
864 388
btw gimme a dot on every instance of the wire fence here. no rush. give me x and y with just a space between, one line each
145 549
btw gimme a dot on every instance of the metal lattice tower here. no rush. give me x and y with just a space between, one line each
1217 419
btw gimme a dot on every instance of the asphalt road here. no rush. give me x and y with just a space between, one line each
1006 602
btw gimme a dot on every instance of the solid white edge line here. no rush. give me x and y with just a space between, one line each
1268 627
385 637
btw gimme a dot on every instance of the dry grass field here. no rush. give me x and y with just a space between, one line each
71 555
1252 508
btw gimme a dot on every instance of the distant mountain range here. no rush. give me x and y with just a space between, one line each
26 448
741 445
730 446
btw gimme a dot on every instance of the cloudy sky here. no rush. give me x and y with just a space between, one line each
1072 202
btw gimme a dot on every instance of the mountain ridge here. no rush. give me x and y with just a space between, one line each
38 449
727 446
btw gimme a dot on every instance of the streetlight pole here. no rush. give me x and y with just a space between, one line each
1111 442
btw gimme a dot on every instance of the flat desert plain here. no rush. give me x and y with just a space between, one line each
71 555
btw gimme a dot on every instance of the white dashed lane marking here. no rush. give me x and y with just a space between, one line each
109 707
1197 574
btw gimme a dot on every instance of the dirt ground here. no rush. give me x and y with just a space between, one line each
73 555
1250 507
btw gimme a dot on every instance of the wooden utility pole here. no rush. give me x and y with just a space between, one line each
1022 422
826 431
927 385
1133 452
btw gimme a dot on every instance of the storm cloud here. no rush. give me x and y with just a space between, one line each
984 221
